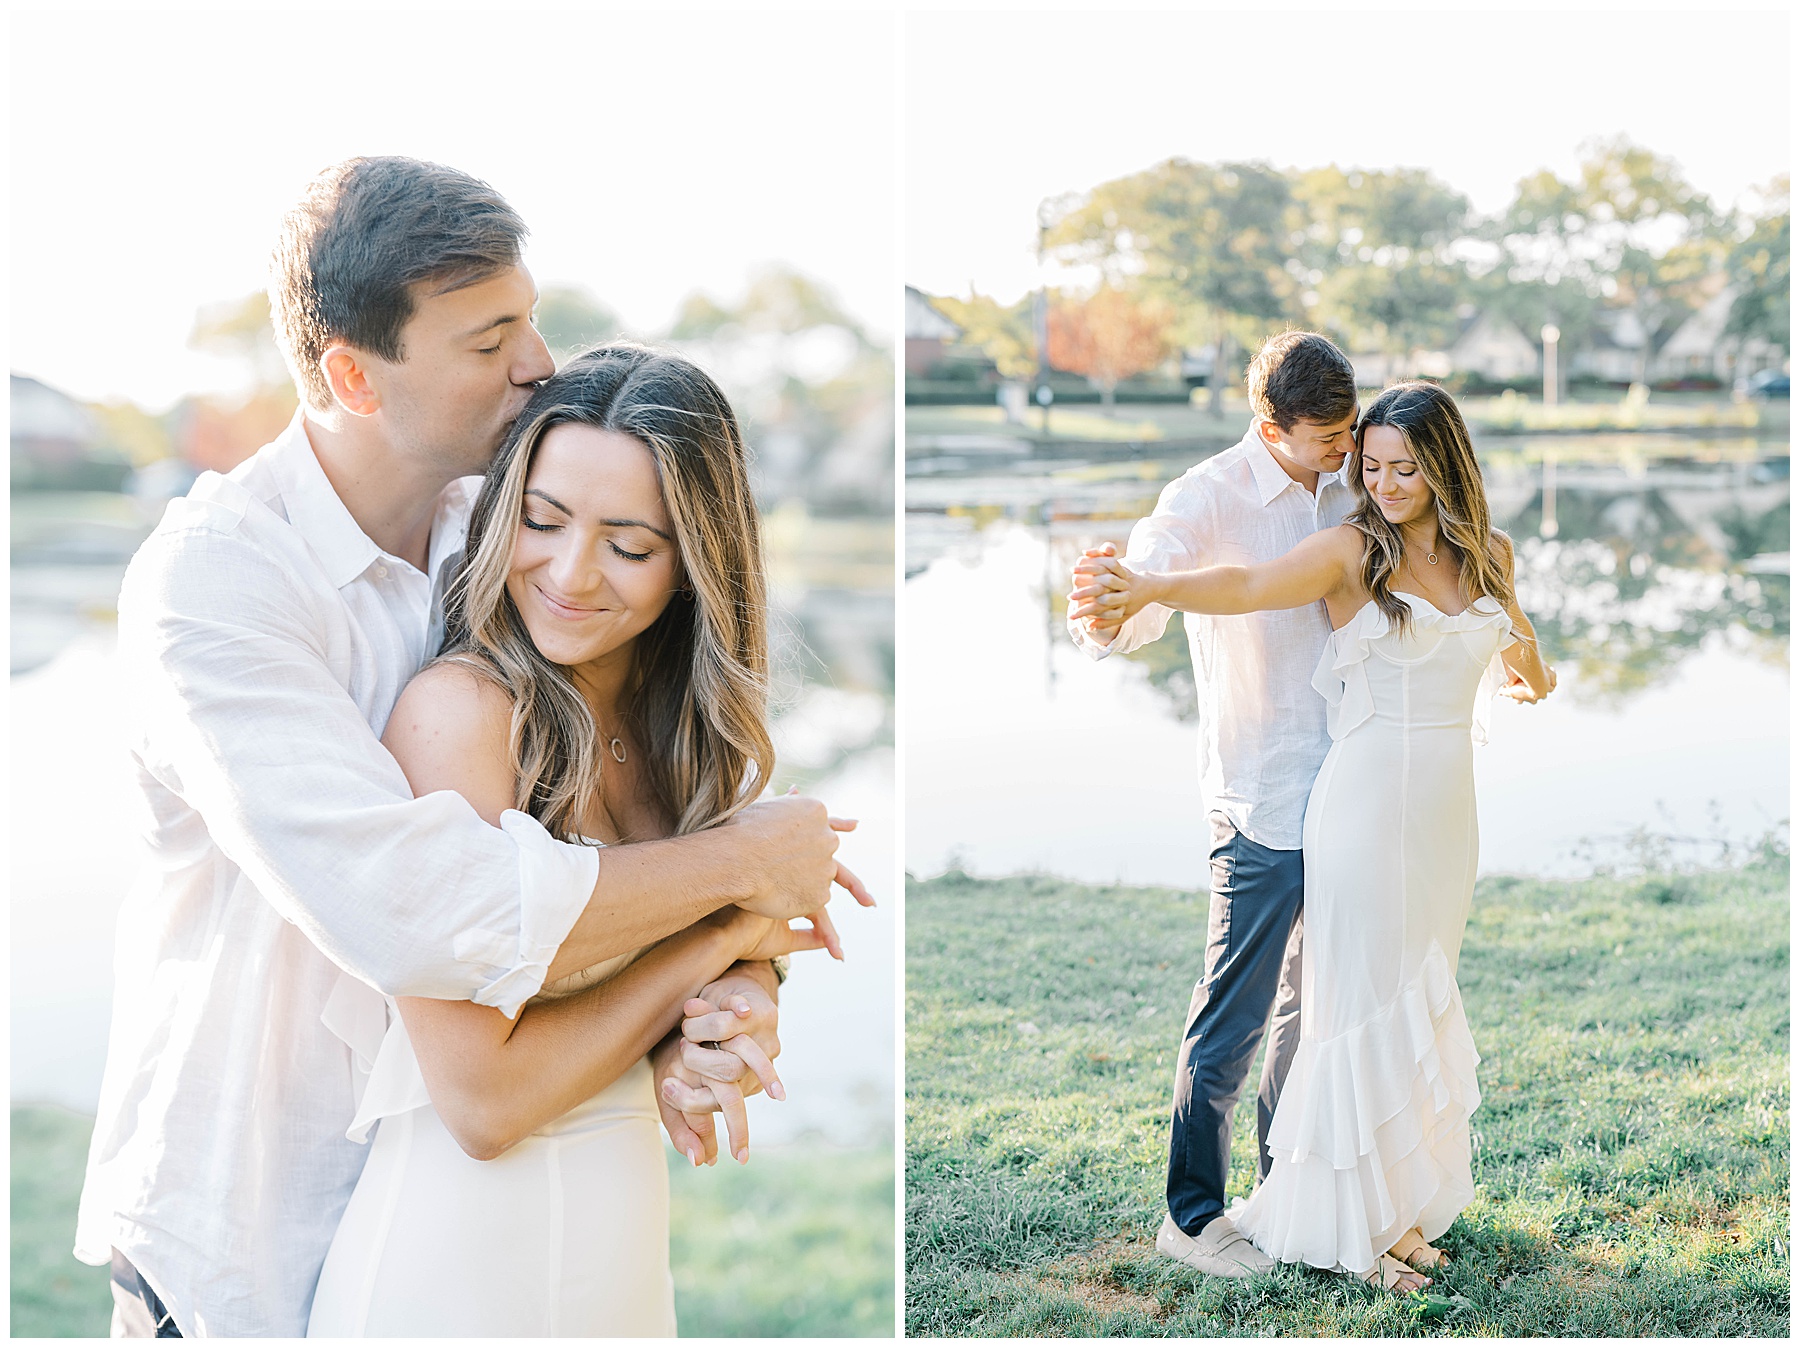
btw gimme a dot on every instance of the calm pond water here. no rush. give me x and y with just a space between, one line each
1655 568
74 851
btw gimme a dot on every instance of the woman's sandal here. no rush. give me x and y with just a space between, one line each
1387 1274
1413 1251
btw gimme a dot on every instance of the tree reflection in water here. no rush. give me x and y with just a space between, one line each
1641 571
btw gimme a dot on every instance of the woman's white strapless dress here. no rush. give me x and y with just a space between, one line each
1371 1134
566 1234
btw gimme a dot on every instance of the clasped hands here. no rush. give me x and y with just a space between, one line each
1105 592
723 1051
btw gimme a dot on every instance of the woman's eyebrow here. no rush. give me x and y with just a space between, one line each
640 524
616 524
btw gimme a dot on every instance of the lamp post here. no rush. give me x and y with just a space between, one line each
1552 390
1040 315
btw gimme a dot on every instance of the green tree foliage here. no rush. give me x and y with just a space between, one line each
1001 332
1758 268
1377 262
242 330
1630 230
571 320
1209 240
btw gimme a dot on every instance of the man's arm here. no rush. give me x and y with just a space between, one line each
238 688
1175 536
450 731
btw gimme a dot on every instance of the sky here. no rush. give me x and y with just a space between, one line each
154 154
1005 109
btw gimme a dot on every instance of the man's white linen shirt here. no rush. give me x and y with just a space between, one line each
1262 729
264 639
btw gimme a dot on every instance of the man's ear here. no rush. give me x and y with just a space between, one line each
1271 433
348 378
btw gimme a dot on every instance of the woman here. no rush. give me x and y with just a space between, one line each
1370 1140
605 671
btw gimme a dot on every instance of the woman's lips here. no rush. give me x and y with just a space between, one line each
561 609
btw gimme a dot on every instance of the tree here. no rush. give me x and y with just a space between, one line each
1208 240
570 320
1377 256
1630 230
1758 269
1108 337
241 329
1002 333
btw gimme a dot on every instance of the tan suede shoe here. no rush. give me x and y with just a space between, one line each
1220 1249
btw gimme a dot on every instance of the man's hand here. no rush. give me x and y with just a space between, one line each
1105 591
792 863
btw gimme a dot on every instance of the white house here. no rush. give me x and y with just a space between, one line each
928 332
1700 347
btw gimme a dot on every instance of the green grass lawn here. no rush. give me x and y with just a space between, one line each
798 1243
1631 1158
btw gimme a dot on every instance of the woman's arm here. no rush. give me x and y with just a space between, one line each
1318 566
492 1079
1532 679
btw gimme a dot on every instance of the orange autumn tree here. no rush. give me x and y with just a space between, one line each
1109 337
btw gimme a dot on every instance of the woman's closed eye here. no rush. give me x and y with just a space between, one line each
630 556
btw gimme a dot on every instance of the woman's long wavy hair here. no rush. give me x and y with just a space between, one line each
1428 419
696 701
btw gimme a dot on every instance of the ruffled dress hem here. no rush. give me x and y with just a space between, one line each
1371 1137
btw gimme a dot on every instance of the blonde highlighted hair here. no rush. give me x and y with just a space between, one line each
1428 420
696 704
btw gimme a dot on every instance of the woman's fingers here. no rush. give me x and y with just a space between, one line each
711 1027
846 878
826 930
734 1060
737 1119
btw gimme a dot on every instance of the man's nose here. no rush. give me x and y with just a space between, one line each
535 363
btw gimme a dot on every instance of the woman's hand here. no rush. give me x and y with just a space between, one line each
1519 688
1107 592
727 1047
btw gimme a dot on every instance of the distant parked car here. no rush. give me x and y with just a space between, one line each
1767 384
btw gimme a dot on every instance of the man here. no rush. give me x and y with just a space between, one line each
1262 738
265 629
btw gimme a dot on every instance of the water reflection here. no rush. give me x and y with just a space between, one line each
1656 571
1629 561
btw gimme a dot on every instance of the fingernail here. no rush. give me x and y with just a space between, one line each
743 1155
693 1156
777 1090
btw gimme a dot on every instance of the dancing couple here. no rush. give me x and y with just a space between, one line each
1351 615
460 880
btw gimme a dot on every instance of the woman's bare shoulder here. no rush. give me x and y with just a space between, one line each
1343 539
451 730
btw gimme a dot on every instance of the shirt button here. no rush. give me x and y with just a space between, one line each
381 571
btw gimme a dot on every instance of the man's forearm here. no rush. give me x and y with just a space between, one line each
646 891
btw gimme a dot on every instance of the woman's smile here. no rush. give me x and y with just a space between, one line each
563 608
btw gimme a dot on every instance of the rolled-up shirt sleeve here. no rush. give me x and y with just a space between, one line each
1171 538
244 717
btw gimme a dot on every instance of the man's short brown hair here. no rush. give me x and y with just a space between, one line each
364 234
1301 376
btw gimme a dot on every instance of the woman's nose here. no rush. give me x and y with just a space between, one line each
573 568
